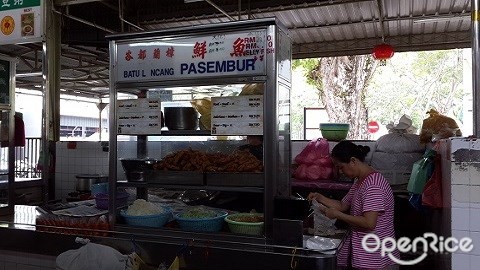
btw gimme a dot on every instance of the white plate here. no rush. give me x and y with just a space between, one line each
322 243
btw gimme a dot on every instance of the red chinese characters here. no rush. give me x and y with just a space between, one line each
170 52
128 55
238 47
199 50
142 54
156 53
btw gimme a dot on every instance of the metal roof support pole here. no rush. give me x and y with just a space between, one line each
51 96
220 9
475 65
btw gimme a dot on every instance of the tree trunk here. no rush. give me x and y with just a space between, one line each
342 82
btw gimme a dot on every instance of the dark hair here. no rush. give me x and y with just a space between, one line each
345 150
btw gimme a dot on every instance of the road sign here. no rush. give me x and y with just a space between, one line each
373 127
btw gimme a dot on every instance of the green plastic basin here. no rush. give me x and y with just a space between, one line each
334 131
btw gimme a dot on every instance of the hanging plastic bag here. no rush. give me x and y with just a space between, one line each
421 171
314 162
432 193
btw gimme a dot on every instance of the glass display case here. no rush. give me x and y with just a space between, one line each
186 103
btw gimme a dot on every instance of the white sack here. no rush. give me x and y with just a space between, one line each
92 256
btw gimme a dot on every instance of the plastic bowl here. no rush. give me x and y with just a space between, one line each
334 131
156 221
243 227
213 224
101 200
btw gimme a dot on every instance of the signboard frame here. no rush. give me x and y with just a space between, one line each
21 21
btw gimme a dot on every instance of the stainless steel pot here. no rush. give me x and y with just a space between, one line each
181 118
85 181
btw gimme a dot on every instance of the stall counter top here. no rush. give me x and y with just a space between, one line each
20 233
322 184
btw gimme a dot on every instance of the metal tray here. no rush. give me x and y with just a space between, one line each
175 177
235 179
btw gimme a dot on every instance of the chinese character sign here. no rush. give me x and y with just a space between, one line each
20 21
242 53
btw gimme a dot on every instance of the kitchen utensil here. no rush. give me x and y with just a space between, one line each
135 168
245 227
101 200
156 220
334 131
181 118
99 188
85 181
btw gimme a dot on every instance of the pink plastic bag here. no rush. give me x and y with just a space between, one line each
314 162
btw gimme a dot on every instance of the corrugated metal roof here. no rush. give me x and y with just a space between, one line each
318 28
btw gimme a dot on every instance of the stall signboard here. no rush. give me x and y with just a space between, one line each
141 116
4 81
237 115
232 54
20 21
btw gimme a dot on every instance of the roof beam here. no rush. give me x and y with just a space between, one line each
73 2
423 42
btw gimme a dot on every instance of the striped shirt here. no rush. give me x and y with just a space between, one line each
372 194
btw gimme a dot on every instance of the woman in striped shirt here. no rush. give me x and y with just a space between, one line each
367 208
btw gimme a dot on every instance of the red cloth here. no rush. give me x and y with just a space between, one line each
19 137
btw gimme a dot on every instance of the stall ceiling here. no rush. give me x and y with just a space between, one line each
318 28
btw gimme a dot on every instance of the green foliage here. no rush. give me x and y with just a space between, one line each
413 82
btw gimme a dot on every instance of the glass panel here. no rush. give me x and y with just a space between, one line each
4 157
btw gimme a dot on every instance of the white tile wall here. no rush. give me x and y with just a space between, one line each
87 158
460 218
461 190
460 173
460 262
12 260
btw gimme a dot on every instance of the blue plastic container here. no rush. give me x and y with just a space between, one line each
214 224
155 221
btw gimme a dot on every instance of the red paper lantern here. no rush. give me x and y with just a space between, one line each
383 52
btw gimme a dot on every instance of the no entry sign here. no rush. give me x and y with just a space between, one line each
373 127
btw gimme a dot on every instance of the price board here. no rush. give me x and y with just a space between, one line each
240 115
139 116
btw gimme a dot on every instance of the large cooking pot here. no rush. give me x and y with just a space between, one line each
85 181
181 118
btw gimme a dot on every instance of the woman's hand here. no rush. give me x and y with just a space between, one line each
331 213
314 196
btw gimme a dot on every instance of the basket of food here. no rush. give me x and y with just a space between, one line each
145 214
245 223
200 219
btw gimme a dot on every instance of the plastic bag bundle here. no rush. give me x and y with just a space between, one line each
204 108
438 126
252 89
322 224
92 256
314 162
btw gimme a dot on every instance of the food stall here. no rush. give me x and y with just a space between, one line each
244 69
